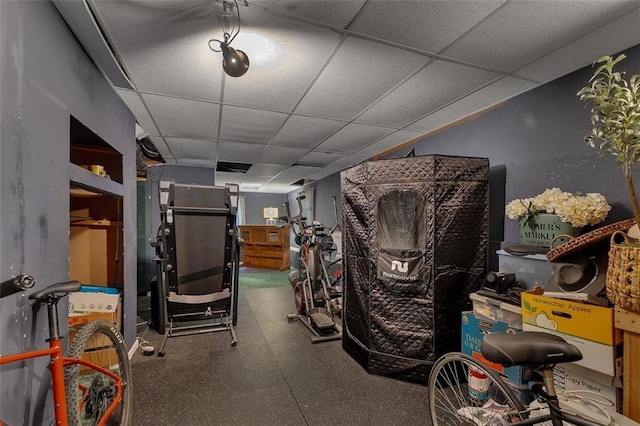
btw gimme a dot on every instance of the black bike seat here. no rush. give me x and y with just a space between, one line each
64 287
528 348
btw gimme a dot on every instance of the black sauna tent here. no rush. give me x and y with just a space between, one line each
415 236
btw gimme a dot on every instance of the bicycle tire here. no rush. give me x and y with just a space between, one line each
451 398
100 343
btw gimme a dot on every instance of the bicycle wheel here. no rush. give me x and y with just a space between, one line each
464 392
89 392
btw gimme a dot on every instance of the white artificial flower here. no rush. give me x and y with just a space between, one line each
576 209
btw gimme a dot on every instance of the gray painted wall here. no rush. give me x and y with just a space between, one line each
45 77
255 202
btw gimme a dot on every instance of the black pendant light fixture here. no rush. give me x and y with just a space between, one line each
234 61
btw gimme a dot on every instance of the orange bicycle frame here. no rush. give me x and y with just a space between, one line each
58 362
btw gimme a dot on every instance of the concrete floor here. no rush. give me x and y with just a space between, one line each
274 376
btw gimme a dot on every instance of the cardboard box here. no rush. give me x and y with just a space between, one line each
588 327
474 329
86 307
88 255
571 377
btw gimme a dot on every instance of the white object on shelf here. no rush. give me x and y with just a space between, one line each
531 269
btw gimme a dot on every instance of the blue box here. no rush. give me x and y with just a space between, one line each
474 329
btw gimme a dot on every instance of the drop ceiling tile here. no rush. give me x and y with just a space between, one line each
193 149
275 188
164 45
264 170
319 159
499 91
284 57
294 174
196 162
281 155
353 137
334 13
523 31
359 73
226 177
249 125
426 25
239 152
305 132
614 37
139 111
435 86
338 166
388 142
184 118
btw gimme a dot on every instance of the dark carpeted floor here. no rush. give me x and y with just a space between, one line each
274 376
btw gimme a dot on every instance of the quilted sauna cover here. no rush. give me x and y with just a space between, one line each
415 246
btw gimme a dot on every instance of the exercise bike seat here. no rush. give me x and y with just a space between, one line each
528 348
321 318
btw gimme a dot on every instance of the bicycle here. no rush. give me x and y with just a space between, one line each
463 391
92 383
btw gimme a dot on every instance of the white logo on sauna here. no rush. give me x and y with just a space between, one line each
396 265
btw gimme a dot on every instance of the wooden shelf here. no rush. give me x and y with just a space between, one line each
629 322
265 246
92 183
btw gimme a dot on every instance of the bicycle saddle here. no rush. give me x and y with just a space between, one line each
528 348
64 287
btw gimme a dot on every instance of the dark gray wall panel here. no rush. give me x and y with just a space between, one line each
45 77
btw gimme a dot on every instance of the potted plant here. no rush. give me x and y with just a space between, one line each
554 212
615 117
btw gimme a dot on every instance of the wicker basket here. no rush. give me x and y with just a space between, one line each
623 273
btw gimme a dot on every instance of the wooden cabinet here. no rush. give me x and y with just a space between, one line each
265 246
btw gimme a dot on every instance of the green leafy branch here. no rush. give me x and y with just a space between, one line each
615 118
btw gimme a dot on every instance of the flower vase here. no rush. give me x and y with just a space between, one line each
540 229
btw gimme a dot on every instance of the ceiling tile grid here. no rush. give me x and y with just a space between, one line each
359 73
282 62
388 142
249 125
429 26
237 152
284 156
163 45
332 83
184 118
526 30
498 91
608 39
433 87
133 101
194 149
353 137
305 132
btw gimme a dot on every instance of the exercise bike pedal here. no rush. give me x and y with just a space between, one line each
321 318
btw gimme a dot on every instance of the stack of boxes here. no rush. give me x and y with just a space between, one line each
491 316
589 327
